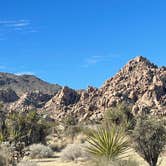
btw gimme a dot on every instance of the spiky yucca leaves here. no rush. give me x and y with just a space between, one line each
110 143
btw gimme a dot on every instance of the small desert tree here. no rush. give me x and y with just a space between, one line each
27 127
149 138
120 116
71 126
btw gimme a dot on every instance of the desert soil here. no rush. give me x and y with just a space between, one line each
56 160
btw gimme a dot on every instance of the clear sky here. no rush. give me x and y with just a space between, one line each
79 42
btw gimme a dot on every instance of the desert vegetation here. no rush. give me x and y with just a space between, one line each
107 143
149 138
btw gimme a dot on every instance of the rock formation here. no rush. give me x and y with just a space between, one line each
8 96
140 84
30 100
25 91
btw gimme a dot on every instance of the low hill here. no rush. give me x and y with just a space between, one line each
26 83
21 92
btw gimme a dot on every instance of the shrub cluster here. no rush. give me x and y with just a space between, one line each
40 151
28 127
148 134
72 152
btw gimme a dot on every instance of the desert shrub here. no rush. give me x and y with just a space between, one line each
40 151
109 143
27 163
3 127
120 116
28 127
3 160
72 152
69 120
57 146
71 126
4 156
149 138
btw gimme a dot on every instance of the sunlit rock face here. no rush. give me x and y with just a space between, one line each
139 83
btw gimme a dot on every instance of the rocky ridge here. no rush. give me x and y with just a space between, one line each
140 83
26 83
22 92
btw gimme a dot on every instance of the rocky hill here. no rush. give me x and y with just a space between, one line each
25 91
26 83
139 83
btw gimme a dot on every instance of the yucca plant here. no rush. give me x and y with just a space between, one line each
110 143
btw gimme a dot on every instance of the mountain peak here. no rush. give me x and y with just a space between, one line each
140 58
141 61
139 83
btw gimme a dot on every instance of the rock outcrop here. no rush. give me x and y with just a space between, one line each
30 100
25 92
140 84
8 96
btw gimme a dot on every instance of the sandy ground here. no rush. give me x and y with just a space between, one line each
56 160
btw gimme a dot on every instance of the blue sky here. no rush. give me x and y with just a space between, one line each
79 42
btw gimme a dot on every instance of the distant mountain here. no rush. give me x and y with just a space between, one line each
26 83
25 91
139 83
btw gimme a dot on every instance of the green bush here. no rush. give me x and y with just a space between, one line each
120 116
149 138
28 127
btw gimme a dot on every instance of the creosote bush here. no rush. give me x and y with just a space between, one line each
149 138
40 151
